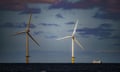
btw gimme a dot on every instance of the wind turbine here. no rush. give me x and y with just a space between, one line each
73 40
27 32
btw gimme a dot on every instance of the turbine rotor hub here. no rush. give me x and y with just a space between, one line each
73 37
28 30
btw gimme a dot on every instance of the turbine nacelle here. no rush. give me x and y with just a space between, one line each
27 31
73 37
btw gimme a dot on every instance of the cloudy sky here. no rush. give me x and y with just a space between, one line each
98 30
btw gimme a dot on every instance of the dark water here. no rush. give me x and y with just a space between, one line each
53 67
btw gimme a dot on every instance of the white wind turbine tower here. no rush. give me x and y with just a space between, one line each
73 40
27 32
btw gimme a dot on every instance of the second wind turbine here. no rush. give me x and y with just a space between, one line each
27 32
73 40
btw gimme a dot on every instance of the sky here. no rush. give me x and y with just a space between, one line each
98 30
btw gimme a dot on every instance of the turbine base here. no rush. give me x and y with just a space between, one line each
27 59
73 59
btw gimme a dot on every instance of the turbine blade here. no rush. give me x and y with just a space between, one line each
28 25
19 33
75 27
79 44
64 37
33 39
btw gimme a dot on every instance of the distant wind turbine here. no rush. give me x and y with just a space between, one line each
27 32
73 40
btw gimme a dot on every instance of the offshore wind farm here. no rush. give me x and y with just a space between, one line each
93 25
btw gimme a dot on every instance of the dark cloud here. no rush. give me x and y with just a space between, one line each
101 32
59 16
108 5
12 5
112 6
37 32
117 44
107 15
117 36
18 5
45 24
31 10
51 37
108 9
17 25
84 4
70 23
105 25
